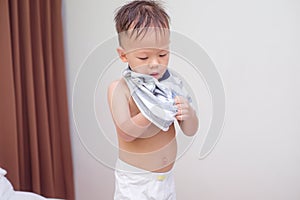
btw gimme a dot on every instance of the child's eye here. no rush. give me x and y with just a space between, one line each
163 55
142 58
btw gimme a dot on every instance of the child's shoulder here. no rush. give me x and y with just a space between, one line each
119 86
119 82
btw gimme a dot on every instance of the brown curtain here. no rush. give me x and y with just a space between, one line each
35 144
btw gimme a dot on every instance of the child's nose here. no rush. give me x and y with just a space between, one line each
154 63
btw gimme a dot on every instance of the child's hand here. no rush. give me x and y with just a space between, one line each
184 110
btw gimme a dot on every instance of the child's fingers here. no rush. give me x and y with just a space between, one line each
179 99
181 114
181 117
182 111
181 106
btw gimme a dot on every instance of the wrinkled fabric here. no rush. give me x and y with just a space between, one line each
132 183
7 191
156 98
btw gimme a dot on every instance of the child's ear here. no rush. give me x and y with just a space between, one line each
122 54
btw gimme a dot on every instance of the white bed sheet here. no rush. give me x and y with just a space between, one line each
7 191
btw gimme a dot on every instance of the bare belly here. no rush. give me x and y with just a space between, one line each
156 153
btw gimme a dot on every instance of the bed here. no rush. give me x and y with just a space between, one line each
7 191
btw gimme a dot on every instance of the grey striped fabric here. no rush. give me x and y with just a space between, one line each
155 98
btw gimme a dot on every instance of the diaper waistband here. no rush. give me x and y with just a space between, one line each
125 167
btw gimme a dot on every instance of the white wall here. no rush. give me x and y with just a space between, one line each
255 46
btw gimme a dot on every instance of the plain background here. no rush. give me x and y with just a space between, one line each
255 46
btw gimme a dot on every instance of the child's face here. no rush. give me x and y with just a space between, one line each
147 55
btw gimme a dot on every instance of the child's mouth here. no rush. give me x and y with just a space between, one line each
154 75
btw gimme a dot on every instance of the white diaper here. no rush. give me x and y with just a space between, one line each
132 183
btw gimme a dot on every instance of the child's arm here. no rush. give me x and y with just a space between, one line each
186 115
129 127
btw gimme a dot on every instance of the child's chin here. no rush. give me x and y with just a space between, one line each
156 77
